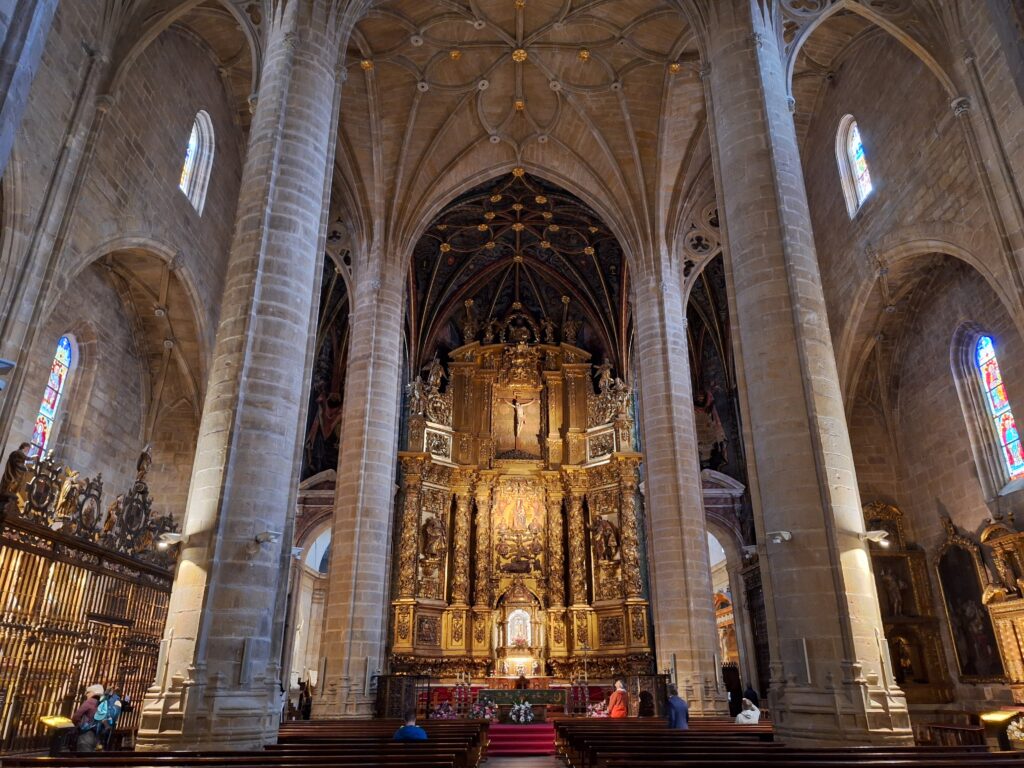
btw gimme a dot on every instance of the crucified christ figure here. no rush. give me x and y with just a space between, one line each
519 414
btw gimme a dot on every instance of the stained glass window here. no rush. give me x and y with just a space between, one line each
998 405
853 164
195 170
858 162
51 395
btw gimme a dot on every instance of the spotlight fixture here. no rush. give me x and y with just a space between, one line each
879 537
296 551
267 537
749 550
778 537
167 539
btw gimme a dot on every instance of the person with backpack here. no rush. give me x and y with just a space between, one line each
85 719
107 714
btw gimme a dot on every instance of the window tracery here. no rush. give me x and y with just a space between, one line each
195 171
853 165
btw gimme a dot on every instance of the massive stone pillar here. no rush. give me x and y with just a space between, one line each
831 679
24 27
686 638
355 621
217 683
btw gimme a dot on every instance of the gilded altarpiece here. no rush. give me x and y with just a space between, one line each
912 630
519 520
1004 597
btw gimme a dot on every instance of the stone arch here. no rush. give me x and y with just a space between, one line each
13 227
890 27
898 248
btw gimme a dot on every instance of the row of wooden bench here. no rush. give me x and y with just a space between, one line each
636 743
312 744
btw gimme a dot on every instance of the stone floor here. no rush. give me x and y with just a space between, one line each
524 762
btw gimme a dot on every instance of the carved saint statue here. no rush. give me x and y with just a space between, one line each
435 372
143 464
417 397
893 586
604 376
67 498
433 538
14 473
570 328
470 326
519 414
549 331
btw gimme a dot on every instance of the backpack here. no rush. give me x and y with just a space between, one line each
108 711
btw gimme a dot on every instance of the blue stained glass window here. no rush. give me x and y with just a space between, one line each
59 368
998 404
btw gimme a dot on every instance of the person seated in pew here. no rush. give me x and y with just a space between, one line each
678 711
751 694
410 731
749 715
618 702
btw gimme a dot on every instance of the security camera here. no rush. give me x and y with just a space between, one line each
267 537
778 537
879 537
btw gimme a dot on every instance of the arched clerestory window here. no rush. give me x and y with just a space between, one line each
56 381
997 403
853 165
195 171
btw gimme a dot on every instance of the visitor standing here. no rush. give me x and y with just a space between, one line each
85 719
618 701
678 710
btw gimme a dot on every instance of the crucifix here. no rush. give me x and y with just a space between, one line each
519 414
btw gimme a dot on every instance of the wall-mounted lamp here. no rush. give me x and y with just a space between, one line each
168 539
267 537
879 537
778 537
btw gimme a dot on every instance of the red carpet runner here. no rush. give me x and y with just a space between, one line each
511 740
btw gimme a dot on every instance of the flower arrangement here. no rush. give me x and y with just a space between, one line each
520 642
521 713
484 709
443 711
1015 730
600 709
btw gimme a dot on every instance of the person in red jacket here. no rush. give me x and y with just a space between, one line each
618 702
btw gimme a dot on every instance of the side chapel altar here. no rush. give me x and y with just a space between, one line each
520 549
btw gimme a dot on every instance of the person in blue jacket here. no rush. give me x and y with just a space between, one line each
678 710
410 731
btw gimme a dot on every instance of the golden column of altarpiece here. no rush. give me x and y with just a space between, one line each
519 522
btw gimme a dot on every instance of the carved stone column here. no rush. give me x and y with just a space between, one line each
460 543
218 686
22 39
576 488
627 466
825 629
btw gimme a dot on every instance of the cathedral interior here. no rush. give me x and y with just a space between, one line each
357 347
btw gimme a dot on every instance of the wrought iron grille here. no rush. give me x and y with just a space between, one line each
73 613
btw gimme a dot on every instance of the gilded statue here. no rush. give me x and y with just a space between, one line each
470 326
14 473
570 327
417 397
435 373
67 497
549 331
604 376
433 539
